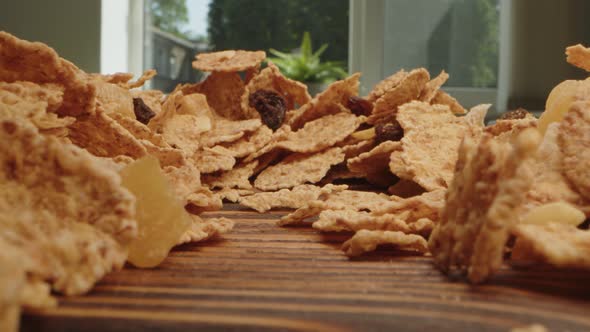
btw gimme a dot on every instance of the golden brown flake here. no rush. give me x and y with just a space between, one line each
67 203
270 78
287 198
432 87
408 89
573 141
482 204
432 135
214 159
365 241
563 246
102 136
203 229
224 91
387 84
328 102
228 61
320 133
444 98
298 169
579 56
36 62
250 143
238 177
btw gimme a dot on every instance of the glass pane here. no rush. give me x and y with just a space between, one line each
459 36
180 29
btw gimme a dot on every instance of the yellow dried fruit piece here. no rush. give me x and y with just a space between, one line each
558 103
557 212
161 218
364 134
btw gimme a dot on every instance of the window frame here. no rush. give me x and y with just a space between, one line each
366 36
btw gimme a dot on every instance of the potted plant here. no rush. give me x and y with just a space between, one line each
305 66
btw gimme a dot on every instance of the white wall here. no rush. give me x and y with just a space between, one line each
71 27
113 36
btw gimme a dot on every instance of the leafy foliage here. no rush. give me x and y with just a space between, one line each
170 16
265 24
305 65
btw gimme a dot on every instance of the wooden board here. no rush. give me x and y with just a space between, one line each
262 277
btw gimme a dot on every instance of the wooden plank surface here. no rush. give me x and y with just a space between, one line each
261 277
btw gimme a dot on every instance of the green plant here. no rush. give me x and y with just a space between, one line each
306 65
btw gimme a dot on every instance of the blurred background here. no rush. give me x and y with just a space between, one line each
506 52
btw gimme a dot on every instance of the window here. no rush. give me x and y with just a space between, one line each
458 36
177 30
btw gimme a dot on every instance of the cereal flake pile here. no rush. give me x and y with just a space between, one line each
96 171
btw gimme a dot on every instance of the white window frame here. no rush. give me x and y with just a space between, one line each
117 15
366 36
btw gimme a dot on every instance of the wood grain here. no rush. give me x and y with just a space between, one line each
265 278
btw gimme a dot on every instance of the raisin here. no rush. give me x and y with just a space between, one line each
359 106
516 114
271 106
143 113
388 132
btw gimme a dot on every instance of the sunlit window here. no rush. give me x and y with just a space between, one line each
180 29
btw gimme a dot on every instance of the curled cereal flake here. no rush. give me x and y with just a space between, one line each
550 183
432 87
34 102
365 241
185 180
407 90
182 121
298 169
444 98
166 155
65 202
226 131
104 137
573 141
375 161
146 76
202 200
36 62
51 94
214 159
238 177
139 130
427 205
223 91
432 135
250 143
287 198
233 195
579 56
387 84
351 220
113 98
228 61
482 203
203 229
321 133
270 78
337 200
330 101
564 246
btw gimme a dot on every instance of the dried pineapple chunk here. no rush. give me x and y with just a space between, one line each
161 218
557 212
